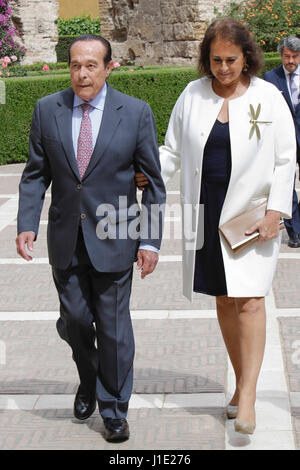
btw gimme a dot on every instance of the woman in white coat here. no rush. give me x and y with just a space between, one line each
230 170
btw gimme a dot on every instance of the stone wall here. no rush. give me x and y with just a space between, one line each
145 31
156 31
35 21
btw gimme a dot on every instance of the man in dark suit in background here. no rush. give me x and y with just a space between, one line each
287 79
88 141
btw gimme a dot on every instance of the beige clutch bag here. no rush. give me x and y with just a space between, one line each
234 230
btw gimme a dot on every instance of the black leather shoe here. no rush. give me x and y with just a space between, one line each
116 429
84 405
294 241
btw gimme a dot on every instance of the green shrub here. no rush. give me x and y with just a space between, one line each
272 62
78 25
62 48
37 67
159 86
15 115
271 54
17 71
48 73
154 86
68 29
268 20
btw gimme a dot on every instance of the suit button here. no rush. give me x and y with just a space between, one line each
79 186
82 216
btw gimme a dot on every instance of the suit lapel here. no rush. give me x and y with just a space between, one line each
64 124
284 88
110 120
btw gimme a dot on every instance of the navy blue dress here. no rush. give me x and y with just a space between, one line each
209 267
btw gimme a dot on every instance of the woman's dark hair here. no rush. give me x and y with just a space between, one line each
230 30
93 37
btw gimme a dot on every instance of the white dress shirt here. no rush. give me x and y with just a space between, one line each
95 114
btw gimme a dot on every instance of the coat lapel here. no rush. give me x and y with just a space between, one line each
284 88
64 124
110 120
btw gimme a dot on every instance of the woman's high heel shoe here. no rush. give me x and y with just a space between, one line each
244 427
231 411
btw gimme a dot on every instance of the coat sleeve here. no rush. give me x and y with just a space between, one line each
35 180
281 191
154 195
170 152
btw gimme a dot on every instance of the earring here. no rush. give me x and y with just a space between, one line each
245 68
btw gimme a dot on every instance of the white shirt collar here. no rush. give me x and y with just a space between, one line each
98 102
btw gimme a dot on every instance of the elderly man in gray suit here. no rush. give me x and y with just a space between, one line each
88 141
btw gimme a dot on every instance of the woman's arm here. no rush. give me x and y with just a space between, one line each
281 191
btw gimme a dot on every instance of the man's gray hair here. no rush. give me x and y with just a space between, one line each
292 43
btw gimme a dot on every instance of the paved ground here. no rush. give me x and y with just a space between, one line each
182 376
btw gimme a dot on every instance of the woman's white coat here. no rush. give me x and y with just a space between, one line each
262 169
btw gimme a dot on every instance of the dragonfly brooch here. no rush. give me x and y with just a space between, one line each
254 121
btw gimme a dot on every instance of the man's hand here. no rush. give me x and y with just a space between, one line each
23 239
141 180
147 261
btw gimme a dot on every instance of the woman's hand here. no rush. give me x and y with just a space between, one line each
268 226
141 180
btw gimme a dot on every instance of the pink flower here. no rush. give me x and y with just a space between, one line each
46 68
7 59
4 65
131 70
7 74
14 58
116 65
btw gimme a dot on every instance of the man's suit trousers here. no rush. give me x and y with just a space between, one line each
293 225
95 306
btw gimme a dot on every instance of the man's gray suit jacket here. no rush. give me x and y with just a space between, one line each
126 142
